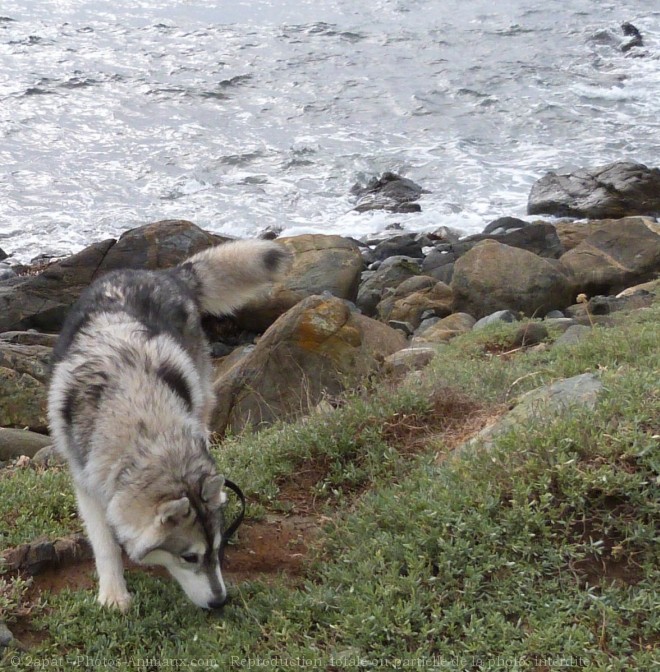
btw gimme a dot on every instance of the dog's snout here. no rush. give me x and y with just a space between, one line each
217 604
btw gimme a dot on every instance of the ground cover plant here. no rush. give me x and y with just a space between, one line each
370 542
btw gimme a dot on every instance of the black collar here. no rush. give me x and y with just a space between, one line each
228 533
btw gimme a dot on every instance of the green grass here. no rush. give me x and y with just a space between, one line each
35 504
540 552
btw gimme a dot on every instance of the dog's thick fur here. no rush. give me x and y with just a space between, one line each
129 404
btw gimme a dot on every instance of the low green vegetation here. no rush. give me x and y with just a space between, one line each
541 553
36 504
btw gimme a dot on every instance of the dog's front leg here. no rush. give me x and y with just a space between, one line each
107 554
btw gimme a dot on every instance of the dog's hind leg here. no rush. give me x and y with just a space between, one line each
107 554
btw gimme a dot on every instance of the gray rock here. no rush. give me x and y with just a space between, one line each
505 225
6 272
652 287
493 276
426 323
554 315
321 263
560 323
6 636
540 404
573 232
406 245
392 272
528 334
428 315
368 257
401 325
42 301
17 442
446 329
24 371
445 234
389 192
604 305
635 37
29 338
393 261
497 316
439 263
219 349
48 457
593 320
615 190
573 335
539 237
415 296
318 347
414 358
270 233
43 554
221 366
615 257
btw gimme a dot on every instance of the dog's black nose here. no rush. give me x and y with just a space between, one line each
218 604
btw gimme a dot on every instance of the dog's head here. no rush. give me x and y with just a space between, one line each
184 535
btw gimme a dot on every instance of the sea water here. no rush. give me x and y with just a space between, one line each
247 115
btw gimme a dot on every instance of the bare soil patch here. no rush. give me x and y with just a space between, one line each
450 417
299 488
276 546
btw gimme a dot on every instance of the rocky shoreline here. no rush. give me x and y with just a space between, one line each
351 307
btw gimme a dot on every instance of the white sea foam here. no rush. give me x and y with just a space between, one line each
243 116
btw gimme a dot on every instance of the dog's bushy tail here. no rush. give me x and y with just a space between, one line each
226 277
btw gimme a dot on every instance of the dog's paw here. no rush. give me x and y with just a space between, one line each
119 599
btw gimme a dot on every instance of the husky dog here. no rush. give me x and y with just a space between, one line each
129 404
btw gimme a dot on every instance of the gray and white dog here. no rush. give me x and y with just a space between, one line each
130 400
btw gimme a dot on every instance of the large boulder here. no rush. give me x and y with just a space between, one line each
24 373
17 442
493 276
42 301
615 257
415 296
324 263
616 190
573 232
158 245
319 347
320 264
539 237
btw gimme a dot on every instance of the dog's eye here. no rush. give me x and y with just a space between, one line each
190 557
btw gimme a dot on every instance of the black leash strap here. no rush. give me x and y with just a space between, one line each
229 532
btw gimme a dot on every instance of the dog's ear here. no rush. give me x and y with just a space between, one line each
213 492
174 510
